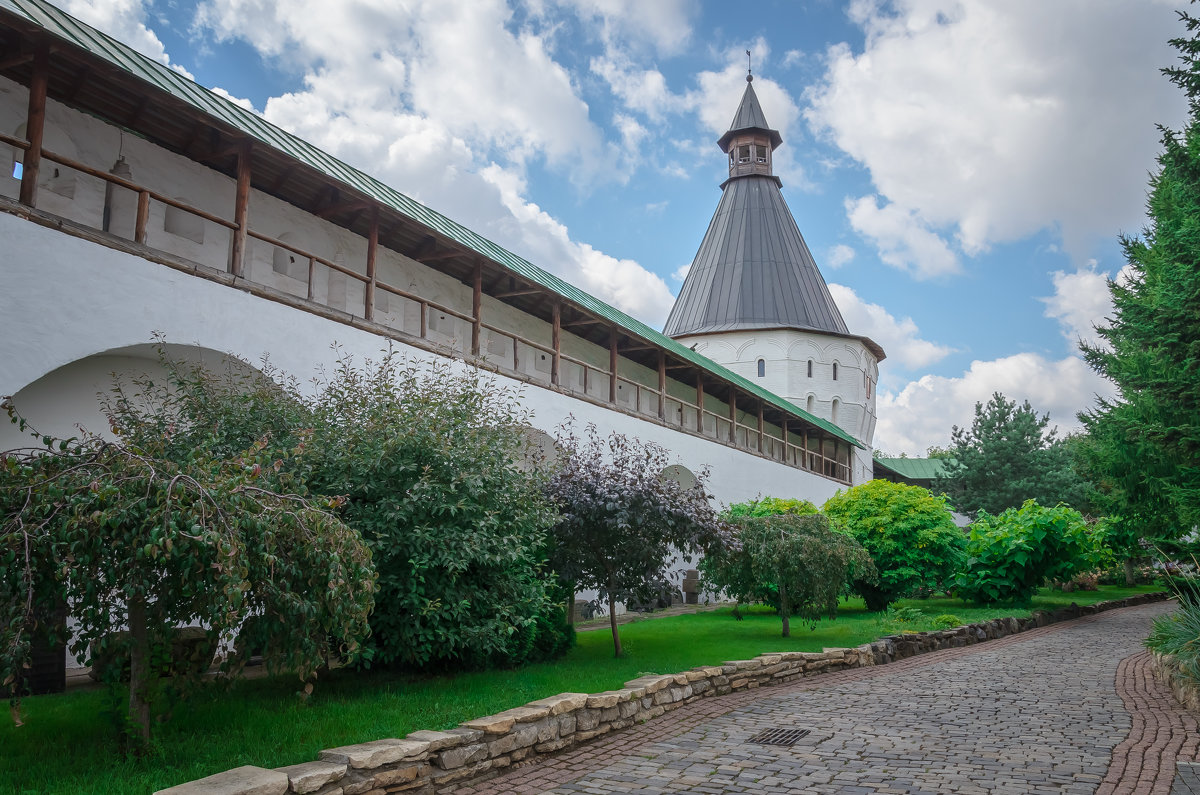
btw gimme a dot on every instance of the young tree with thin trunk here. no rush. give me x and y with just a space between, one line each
621 522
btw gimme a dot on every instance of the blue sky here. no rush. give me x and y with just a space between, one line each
960 170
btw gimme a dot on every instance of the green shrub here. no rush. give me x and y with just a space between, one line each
1178 633
901 619
771 506
947 621
1010 555
907 531
798 557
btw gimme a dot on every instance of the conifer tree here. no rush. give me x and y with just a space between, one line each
1145 448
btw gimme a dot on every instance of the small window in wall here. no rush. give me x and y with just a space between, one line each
181 223
744 153
835 371
761 153
810 368
811 406
18 169
762 368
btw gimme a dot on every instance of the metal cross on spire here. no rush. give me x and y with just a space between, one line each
749 71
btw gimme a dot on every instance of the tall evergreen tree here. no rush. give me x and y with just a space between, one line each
1008 456
1145 450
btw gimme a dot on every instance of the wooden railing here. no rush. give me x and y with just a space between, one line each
647 400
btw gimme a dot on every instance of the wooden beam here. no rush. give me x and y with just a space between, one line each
77 84
556 340
662 384
16 60
138 109
641 347
613 338
354 204
760 426
35 124
700 402
515 293
372 251
732 415
241 211
440 255
143 215
587 321
476 307
783 426
281 180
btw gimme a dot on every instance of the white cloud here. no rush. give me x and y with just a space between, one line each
240 101
447 102
999 120
664 25
1081 301
903 239
900 339
838 256
922 413
124 20
680 273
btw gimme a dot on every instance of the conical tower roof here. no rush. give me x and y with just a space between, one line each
753 269
749 118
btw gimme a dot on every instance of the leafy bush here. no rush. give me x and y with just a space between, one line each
421 459
771 506
798 557
620 521
901 619
947 621
1177 633
1010 555
130 538
908 533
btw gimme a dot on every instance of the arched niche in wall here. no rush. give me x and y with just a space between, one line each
66 401
538 450
182 223
679 474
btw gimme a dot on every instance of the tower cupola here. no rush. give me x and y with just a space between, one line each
749 142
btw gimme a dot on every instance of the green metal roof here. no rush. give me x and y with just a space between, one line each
64 26
916 468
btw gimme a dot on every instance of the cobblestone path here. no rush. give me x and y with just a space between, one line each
1045 711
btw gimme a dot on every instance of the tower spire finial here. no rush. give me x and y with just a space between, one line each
749 71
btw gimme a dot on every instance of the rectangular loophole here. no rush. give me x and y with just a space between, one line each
784 737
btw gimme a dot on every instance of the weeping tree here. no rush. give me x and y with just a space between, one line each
621 523
797 557
132 539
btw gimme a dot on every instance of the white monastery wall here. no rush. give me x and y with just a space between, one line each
74 311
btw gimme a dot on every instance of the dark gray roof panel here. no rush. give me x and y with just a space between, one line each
753 270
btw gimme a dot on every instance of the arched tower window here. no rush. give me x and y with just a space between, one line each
835 371
762 368
810 368
833 416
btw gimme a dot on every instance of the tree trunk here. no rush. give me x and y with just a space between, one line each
139 678
571 608
785 611
612 620
1130 572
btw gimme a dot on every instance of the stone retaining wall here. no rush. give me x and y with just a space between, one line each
1184 688
438 761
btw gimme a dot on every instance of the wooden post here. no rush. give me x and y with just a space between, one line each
312 267
662 385
476 306
372 250
424 319
612 365
241 206
732 415
804 441
556 341
785 440
35 125
700 403
760 426
517 360
143 216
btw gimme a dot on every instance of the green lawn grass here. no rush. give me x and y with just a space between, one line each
65 745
